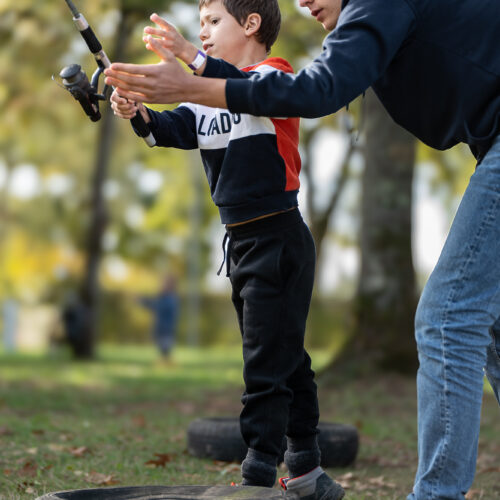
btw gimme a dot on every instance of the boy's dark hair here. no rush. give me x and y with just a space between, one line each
269 12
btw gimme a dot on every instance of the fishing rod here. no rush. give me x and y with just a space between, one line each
76 82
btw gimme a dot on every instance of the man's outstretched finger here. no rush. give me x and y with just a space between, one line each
123 85
131 69
133 96
129 80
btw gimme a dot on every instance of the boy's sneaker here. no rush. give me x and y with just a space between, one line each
315 485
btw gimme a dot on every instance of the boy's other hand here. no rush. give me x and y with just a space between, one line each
126 109
170 39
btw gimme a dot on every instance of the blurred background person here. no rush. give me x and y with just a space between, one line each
165 308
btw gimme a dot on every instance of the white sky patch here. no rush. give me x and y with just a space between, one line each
149 181
430 230
186 17
25 182
430 221
110 240
173 244
58 184
134 216
328 151
116 268
134 170
107 23
111 189
340 264
3 174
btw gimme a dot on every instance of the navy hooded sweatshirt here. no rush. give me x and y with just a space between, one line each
434 64
252 164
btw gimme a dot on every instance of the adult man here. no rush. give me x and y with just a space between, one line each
435 65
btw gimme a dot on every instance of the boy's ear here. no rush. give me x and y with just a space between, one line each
252 24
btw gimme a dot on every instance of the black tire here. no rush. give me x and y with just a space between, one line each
168 493
219 438
339 444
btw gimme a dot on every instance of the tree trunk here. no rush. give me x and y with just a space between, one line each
84 342
386 298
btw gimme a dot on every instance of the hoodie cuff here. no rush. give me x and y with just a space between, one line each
239 95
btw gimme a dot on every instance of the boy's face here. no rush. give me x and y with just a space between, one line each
222 36
326 12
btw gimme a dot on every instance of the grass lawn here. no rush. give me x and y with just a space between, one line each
122 420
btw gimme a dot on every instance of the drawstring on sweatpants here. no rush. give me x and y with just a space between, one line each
226 259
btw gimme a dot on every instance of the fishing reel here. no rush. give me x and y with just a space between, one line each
76 82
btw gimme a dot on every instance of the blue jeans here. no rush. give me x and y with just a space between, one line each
458 338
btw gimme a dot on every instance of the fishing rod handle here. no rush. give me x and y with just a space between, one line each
88 35
142 129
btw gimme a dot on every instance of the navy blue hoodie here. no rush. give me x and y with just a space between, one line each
434 64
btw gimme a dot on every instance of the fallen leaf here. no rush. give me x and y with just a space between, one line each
28 469
139 421
79 452
217 466
232 467
5 431
55 447
100 479
185 407
488 469
346 480
160 461
474 494
381 482
22 487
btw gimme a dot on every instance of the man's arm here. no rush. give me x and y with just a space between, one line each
355 55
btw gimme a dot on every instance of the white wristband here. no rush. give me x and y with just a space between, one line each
198 61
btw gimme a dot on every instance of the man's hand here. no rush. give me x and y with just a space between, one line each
165 82
161 83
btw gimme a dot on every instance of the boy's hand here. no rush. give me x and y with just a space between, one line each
126 109
170 39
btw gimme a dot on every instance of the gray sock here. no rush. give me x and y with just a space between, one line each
258 469
302 455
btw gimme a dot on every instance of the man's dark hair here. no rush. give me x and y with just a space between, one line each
269 12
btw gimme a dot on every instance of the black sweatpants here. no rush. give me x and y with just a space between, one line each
271 269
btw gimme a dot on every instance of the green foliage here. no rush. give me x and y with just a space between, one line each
42 238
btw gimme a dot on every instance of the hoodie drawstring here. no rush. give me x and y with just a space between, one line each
226 249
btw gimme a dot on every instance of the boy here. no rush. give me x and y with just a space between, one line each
253 166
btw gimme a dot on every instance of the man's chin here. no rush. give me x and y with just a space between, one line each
329 25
